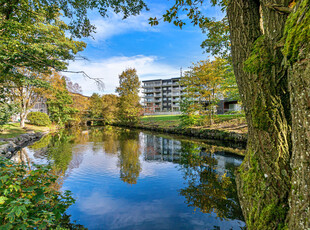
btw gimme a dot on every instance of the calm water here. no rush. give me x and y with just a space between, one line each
124 179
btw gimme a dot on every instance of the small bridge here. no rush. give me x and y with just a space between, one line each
90 121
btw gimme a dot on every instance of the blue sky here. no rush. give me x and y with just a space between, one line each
155 52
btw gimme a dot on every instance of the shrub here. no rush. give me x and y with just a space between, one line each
38 118
28 199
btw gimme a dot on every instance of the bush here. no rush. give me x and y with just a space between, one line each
28 199
38 118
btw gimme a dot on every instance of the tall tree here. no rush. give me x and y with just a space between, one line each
32 35
128 90
26 92
7 107
205 84
59 101
110 108
270 53
95 106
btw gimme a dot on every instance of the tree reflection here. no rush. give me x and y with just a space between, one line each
21 157
206 189
129 162
110 140
60 150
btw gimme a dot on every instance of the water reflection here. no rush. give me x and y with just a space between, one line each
174 184
129 162
209 187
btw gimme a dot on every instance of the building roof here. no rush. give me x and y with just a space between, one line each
175 78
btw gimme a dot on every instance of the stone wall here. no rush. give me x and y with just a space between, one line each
11 145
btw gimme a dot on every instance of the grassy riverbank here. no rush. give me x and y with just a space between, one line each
231 122
13 129
231 128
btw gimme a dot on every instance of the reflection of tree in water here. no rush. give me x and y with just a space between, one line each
22 157
129 162
206 189
110 140
60 150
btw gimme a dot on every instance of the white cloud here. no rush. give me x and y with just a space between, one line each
148 67
115 25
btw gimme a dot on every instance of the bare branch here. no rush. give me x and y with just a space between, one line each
98 81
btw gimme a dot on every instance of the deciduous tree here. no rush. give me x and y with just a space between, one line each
26 91
33 35
128 90
205 84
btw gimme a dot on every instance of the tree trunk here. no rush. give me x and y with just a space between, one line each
297 49
22 120
264 178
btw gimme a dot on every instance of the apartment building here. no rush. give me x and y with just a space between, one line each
162 95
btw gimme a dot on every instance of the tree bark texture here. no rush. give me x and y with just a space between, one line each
268 91
297 54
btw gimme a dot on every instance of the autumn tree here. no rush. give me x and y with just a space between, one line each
129 108
109 109
103 107
270 54
95 106
81 105
60 102
25 92
205 84
7 107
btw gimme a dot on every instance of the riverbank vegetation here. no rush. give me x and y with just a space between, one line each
205 84
228 122
28 199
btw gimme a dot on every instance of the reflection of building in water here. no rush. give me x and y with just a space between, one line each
161 149
157 148
223 160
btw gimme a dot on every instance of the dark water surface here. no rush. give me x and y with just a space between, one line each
128 179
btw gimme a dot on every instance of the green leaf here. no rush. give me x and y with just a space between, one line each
3 199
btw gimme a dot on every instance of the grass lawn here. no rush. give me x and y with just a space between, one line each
162 120
13 129
225 121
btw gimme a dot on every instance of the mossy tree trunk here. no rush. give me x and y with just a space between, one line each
268 90
297 56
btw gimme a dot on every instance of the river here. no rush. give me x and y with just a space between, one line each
130 179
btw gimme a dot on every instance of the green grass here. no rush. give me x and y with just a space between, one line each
13 130
162 120
175 120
